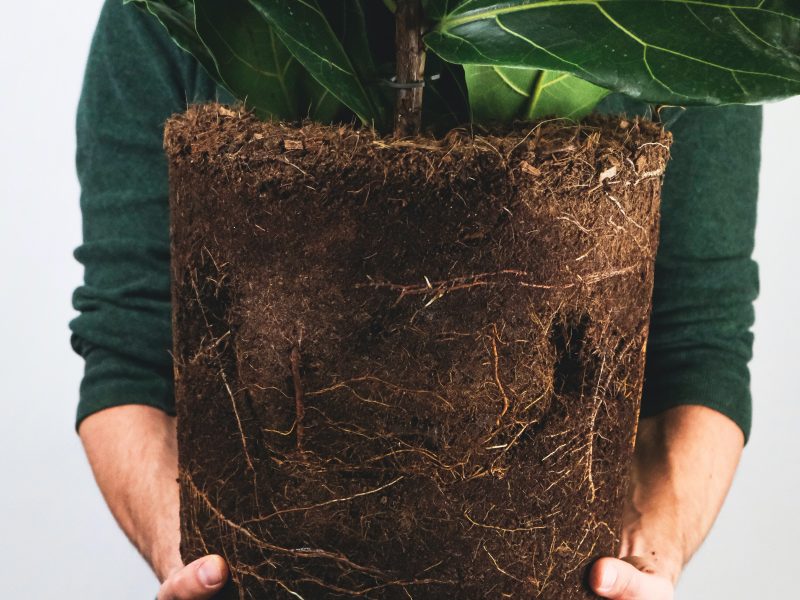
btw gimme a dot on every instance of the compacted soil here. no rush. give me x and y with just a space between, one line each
408 368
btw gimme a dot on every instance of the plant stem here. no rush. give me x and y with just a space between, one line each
409 22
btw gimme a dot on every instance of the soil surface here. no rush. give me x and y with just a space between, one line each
408 369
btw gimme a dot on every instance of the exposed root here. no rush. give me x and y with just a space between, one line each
321 504
373 379
299 405
235 409
264 545
598 399
497 379
307 578
225 383
441 287
499 568
503 529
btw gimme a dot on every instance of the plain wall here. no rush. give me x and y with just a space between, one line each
59 539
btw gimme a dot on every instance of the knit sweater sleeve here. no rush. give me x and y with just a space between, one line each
134 79
705 279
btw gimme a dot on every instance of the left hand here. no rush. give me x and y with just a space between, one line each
629 578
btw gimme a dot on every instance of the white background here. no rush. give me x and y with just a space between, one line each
57 538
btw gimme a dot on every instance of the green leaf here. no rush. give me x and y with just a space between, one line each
499 93
348 20
251 61
307 32
563 95
238 49
505 94
320 106
664 51
177 17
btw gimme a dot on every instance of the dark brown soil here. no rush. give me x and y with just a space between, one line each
408 369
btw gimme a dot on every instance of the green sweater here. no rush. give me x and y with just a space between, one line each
136 77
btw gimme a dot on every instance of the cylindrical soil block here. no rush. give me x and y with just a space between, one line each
408 369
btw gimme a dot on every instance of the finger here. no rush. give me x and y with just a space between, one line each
198 580
641 563
630 579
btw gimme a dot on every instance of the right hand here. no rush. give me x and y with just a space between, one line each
198 580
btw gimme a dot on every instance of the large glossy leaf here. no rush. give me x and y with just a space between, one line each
320 105
342 69
503 94
348 20
666 51
177 17
563 95
251 61
235 44
499 94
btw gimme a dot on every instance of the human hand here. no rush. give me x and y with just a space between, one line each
629 578
198 580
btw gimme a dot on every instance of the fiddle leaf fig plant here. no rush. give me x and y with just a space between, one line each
516 59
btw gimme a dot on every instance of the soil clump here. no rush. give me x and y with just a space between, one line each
408 368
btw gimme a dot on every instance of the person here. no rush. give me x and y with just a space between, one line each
696 406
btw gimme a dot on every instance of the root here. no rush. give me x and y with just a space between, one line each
336 557
598 400
299 406
373 379
441 287
497 378
224 378
307 578
503 529
326 503
499 568
238 423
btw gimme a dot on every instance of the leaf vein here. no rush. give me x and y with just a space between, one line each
504 78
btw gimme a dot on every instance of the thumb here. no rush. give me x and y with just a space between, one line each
199 580
631 578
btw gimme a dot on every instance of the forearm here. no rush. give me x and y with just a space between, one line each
132 450
684 463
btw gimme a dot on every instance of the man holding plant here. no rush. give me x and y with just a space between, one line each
696 408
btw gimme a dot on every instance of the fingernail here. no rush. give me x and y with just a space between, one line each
210 573
608 579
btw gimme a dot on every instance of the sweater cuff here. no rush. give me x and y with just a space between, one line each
699 376
113 380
